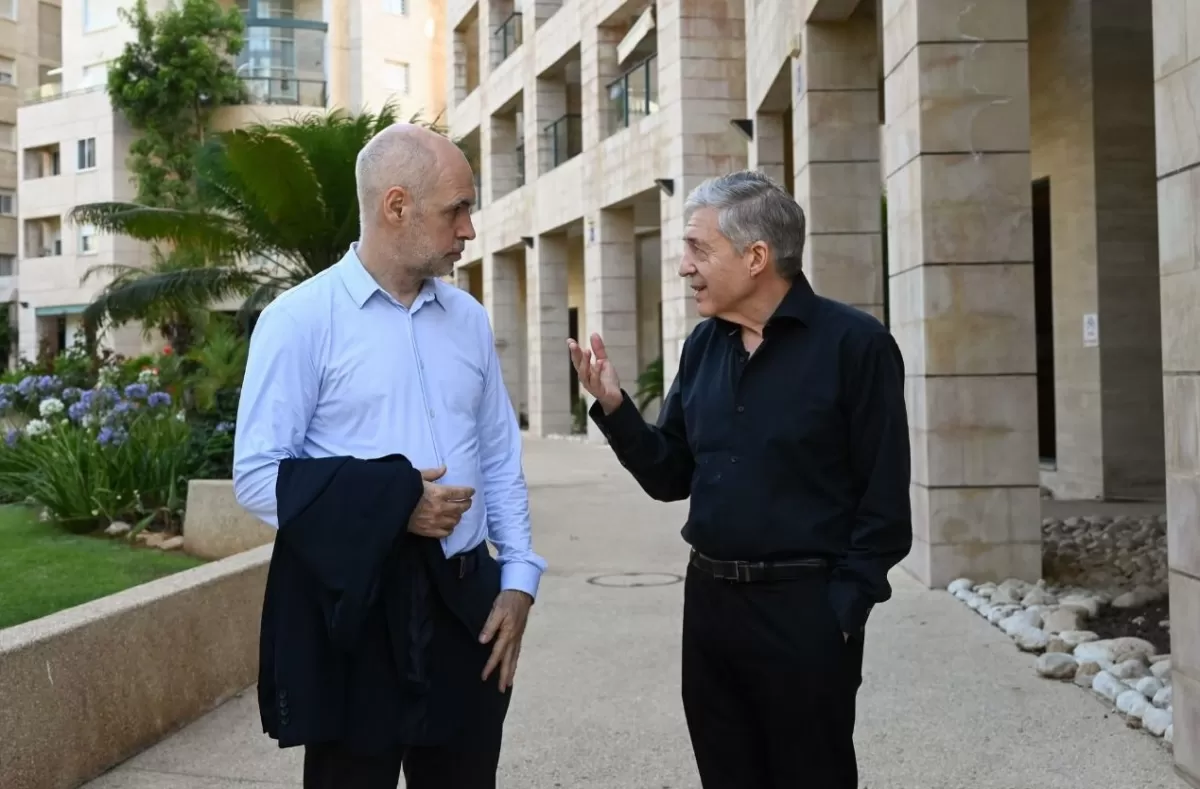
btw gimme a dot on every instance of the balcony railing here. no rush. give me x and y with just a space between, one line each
508 35
285 91
520 149
478 192
566 139
634 95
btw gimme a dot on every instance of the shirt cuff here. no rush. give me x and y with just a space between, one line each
521 577
621 425
850 606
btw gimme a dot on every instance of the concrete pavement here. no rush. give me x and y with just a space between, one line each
947 701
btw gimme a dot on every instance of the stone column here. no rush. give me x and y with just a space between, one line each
836 128
499 136
502 299
961 279
767 153
549 362
610 293
1177 78
702 79
549 104
598 68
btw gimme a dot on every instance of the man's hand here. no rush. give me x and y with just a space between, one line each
598 377
506 625
441 506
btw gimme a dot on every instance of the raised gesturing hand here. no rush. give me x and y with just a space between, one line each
441 506
596 373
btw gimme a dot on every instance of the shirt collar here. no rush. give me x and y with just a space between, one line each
798 305
361 285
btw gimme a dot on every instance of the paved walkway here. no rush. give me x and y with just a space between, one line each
947 702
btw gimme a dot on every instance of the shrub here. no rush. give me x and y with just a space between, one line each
92 456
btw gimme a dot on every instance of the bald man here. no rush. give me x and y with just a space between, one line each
377 359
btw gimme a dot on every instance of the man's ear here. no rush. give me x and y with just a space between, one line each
760 258
395 203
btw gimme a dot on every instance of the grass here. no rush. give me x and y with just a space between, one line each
44 569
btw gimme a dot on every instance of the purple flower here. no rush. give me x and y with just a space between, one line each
11 436
48 383
76 411
71 393
7 391
111 436
158 398
25 387
4 403
137 391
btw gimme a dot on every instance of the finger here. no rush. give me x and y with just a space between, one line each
491 625
598 347
574 350
494 658
505 673
431 474
514 655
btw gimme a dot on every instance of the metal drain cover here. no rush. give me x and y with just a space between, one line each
630 580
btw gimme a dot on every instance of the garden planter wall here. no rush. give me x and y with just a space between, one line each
215 525
86 688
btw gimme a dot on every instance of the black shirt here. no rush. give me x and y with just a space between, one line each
798 450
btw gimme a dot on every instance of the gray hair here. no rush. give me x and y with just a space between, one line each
751 207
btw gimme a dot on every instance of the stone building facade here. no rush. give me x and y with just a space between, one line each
1011 185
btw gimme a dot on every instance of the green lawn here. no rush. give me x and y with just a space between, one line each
43 569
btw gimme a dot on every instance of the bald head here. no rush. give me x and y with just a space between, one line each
402 155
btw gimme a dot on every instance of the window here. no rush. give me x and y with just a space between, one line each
8 71
94 75
87 239
8 265
86 154
396 77
8 202
99 14
397 7
8 9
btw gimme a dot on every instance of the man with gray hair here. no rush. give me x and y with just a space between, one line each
375 432
786 426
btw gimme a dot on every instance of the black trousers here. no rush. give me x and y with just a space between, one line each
769 684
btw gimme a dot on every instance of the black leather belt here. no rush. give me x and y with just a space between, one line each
753 572
463 564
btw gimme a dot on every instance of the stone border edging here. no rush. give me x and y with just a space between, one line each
86 688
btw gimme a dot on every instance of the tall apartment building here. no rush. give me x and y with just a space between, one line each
30 52
588 123
300 56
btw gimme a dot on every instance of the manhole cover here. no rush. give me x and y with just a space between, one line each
636 579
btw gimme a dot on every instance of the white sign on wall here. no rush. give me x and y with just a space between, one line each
1091 330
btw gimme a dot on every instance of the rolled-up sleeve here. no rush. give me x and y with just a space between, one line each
279 393
505 493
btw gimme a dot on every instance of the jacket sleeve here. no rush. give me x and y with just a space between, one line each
342 518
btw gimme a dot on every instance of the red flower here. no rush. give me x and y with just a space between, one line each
166 350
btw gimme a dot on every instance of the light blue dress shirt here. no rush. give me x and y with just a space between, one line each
339 367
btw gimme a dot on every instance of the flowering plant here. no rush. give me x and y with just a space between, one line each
88 456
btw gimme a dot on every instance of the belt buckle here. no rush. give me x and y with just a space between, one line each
742 574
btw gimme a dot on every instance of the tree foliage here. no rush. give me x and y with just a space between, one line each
167 82
276 204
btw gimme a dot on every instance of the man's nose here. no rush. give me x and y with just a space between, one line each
467 233
686 269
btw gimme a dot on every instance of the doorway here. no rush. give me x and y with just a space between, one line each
1043 305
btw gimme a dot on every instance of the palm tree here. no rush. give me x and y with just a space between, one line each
277 204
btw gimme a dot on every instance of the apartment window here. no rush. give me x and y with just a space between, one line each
86 154
8 71
8 265
8 136
397 7
8 9
87 239
8 202
99 14
94 75
396 77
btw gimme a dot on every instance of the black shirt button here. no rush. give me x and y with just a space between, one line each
733 459
741 408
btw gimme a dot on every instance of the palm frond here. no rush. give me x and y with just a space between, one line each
209 234
176 291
